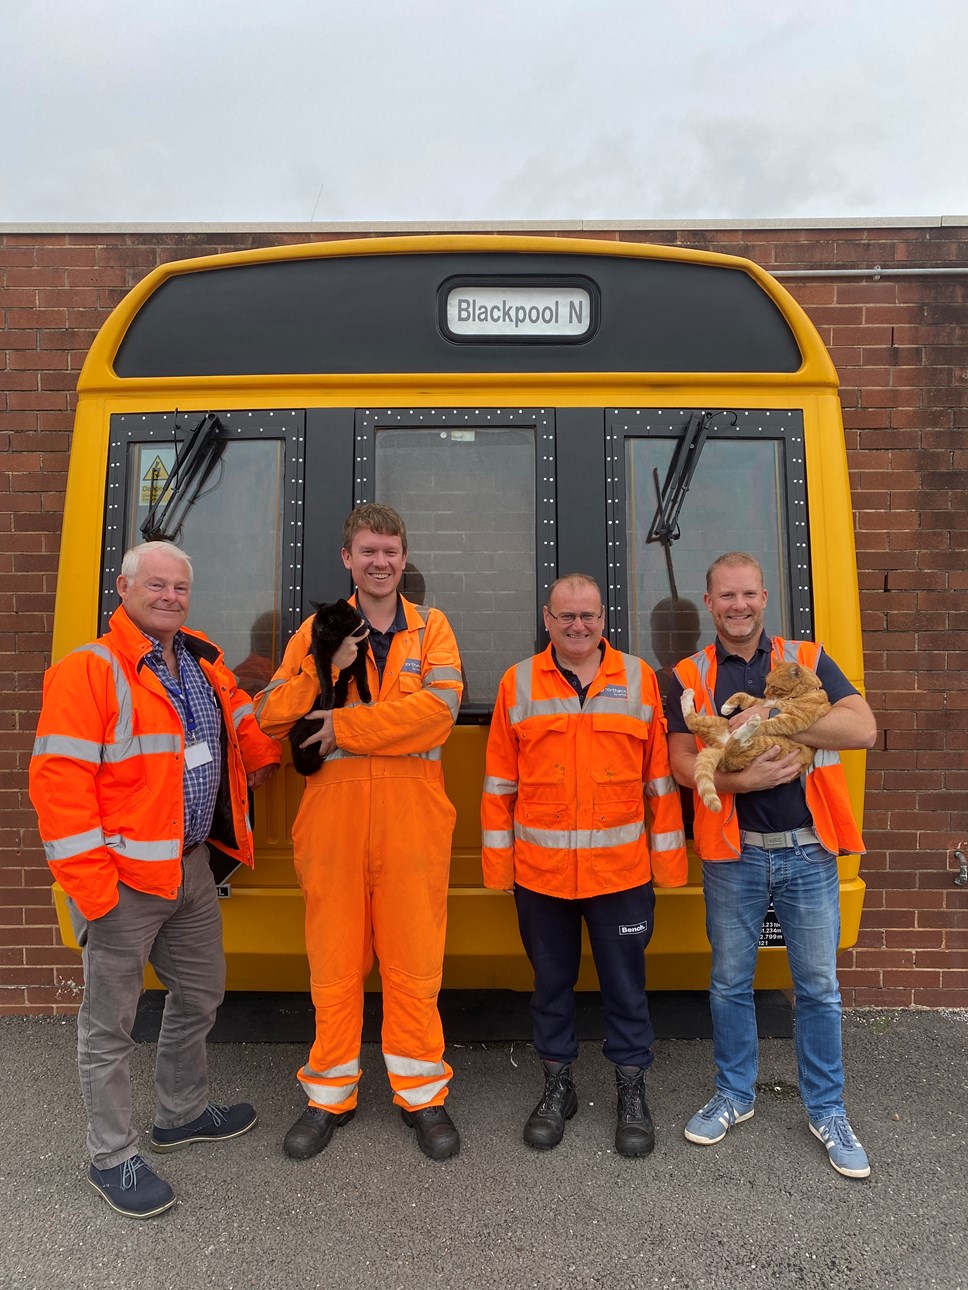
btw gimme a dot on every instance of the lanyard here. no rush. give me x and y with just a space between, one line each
181 694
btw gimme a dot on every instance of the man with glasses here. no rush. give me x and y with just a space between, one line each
372 841
580 816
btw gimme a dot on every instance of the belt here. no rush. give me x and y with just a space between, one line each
779 841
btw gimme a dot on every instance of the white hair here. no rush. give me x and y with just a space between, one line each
132 557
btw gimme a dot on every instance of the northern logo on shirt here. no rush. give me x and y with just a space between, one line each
615 692
631 929
411 665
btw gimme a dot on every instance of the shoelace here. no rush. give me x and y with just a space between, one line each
718 1109
838 1127
556 1090
218 1113
631 1097
129 1173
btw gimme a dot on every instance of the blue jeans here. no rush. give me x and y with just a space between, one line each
805 888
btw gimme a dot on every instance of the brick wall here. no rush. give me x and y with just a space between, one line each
901 347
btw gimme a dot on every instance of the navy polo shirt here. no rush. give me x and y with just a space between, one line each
380 642
769 810
572 677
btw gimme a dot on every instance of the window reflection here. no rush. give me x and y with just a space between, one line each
468 498
233 534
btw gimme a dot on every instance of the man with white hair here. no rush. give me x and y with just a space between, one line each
145 753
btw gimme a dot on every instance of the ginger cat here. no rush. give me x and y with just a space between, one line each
795 690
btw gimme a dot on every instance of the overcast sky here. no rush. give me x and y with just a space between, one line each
285 110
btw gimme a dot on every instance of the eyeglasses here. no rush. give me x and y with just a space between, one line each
360 632
566 619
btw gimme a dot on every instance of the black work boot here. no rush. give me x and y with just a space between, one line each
437 1135
634 1131
312 1131
546 1123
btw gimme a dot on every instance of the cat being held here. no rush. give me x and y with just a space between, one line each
338 629
794 689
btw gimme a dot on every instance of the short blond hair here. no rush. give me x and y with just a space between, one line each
378 518
731 560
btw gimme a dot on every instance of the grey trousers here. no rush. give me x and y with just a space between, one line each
182 940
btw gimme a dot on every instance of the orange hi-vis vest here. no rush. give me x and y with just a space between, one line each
108 766
717 836
564 805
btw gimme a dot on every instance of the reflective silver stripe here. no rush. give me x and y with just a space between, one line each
339 754
273 685
422 1093
703 666
661 787
334 1072
602 703
410 1066
500 787
442 674
89 751
330 1094
668 841
67 746
791 651
124 728
497 838
823 757
74 845
543 708
450 697
581 839
239 714
144 848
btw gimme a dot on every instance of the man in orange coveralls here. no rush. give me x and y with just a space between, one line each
371 844
144 754
577 747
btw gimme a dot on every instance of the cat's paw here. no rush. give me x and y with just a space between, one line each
688 704
747 730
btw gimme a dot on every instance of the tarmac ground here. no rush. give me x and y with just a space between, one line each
763 1208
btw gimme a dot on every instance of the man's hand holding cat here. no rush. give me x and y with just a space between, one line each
766 771
740 718
324 736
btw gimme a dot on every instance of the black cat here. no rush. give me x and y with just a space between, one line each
331 626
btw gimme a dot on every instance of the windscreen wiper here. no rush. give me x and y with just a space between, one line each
685 459
193 465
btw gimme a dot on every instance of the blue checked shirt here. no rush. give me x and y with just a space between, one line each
198 710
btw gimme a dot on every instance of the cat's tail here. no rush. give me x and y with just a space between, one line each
707 763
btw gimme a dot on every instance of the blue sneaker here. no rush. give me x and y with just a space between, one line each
132 1188
215 1124
846 1154
715 1119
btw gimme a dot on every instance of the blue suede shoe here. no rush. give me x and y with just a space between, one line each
215 1124
132 1188
846 1154
712 1122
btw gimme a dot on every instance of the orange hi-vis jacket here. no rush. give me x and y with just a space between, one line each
564 806
419 698
108 766
717 836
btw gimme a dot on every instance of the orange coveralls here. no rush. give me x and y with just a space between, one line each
372 844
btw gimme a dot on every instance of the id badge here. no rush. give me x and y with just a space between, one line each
198 754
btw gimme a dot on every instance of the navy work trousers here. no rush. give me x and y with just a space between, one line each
619 928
